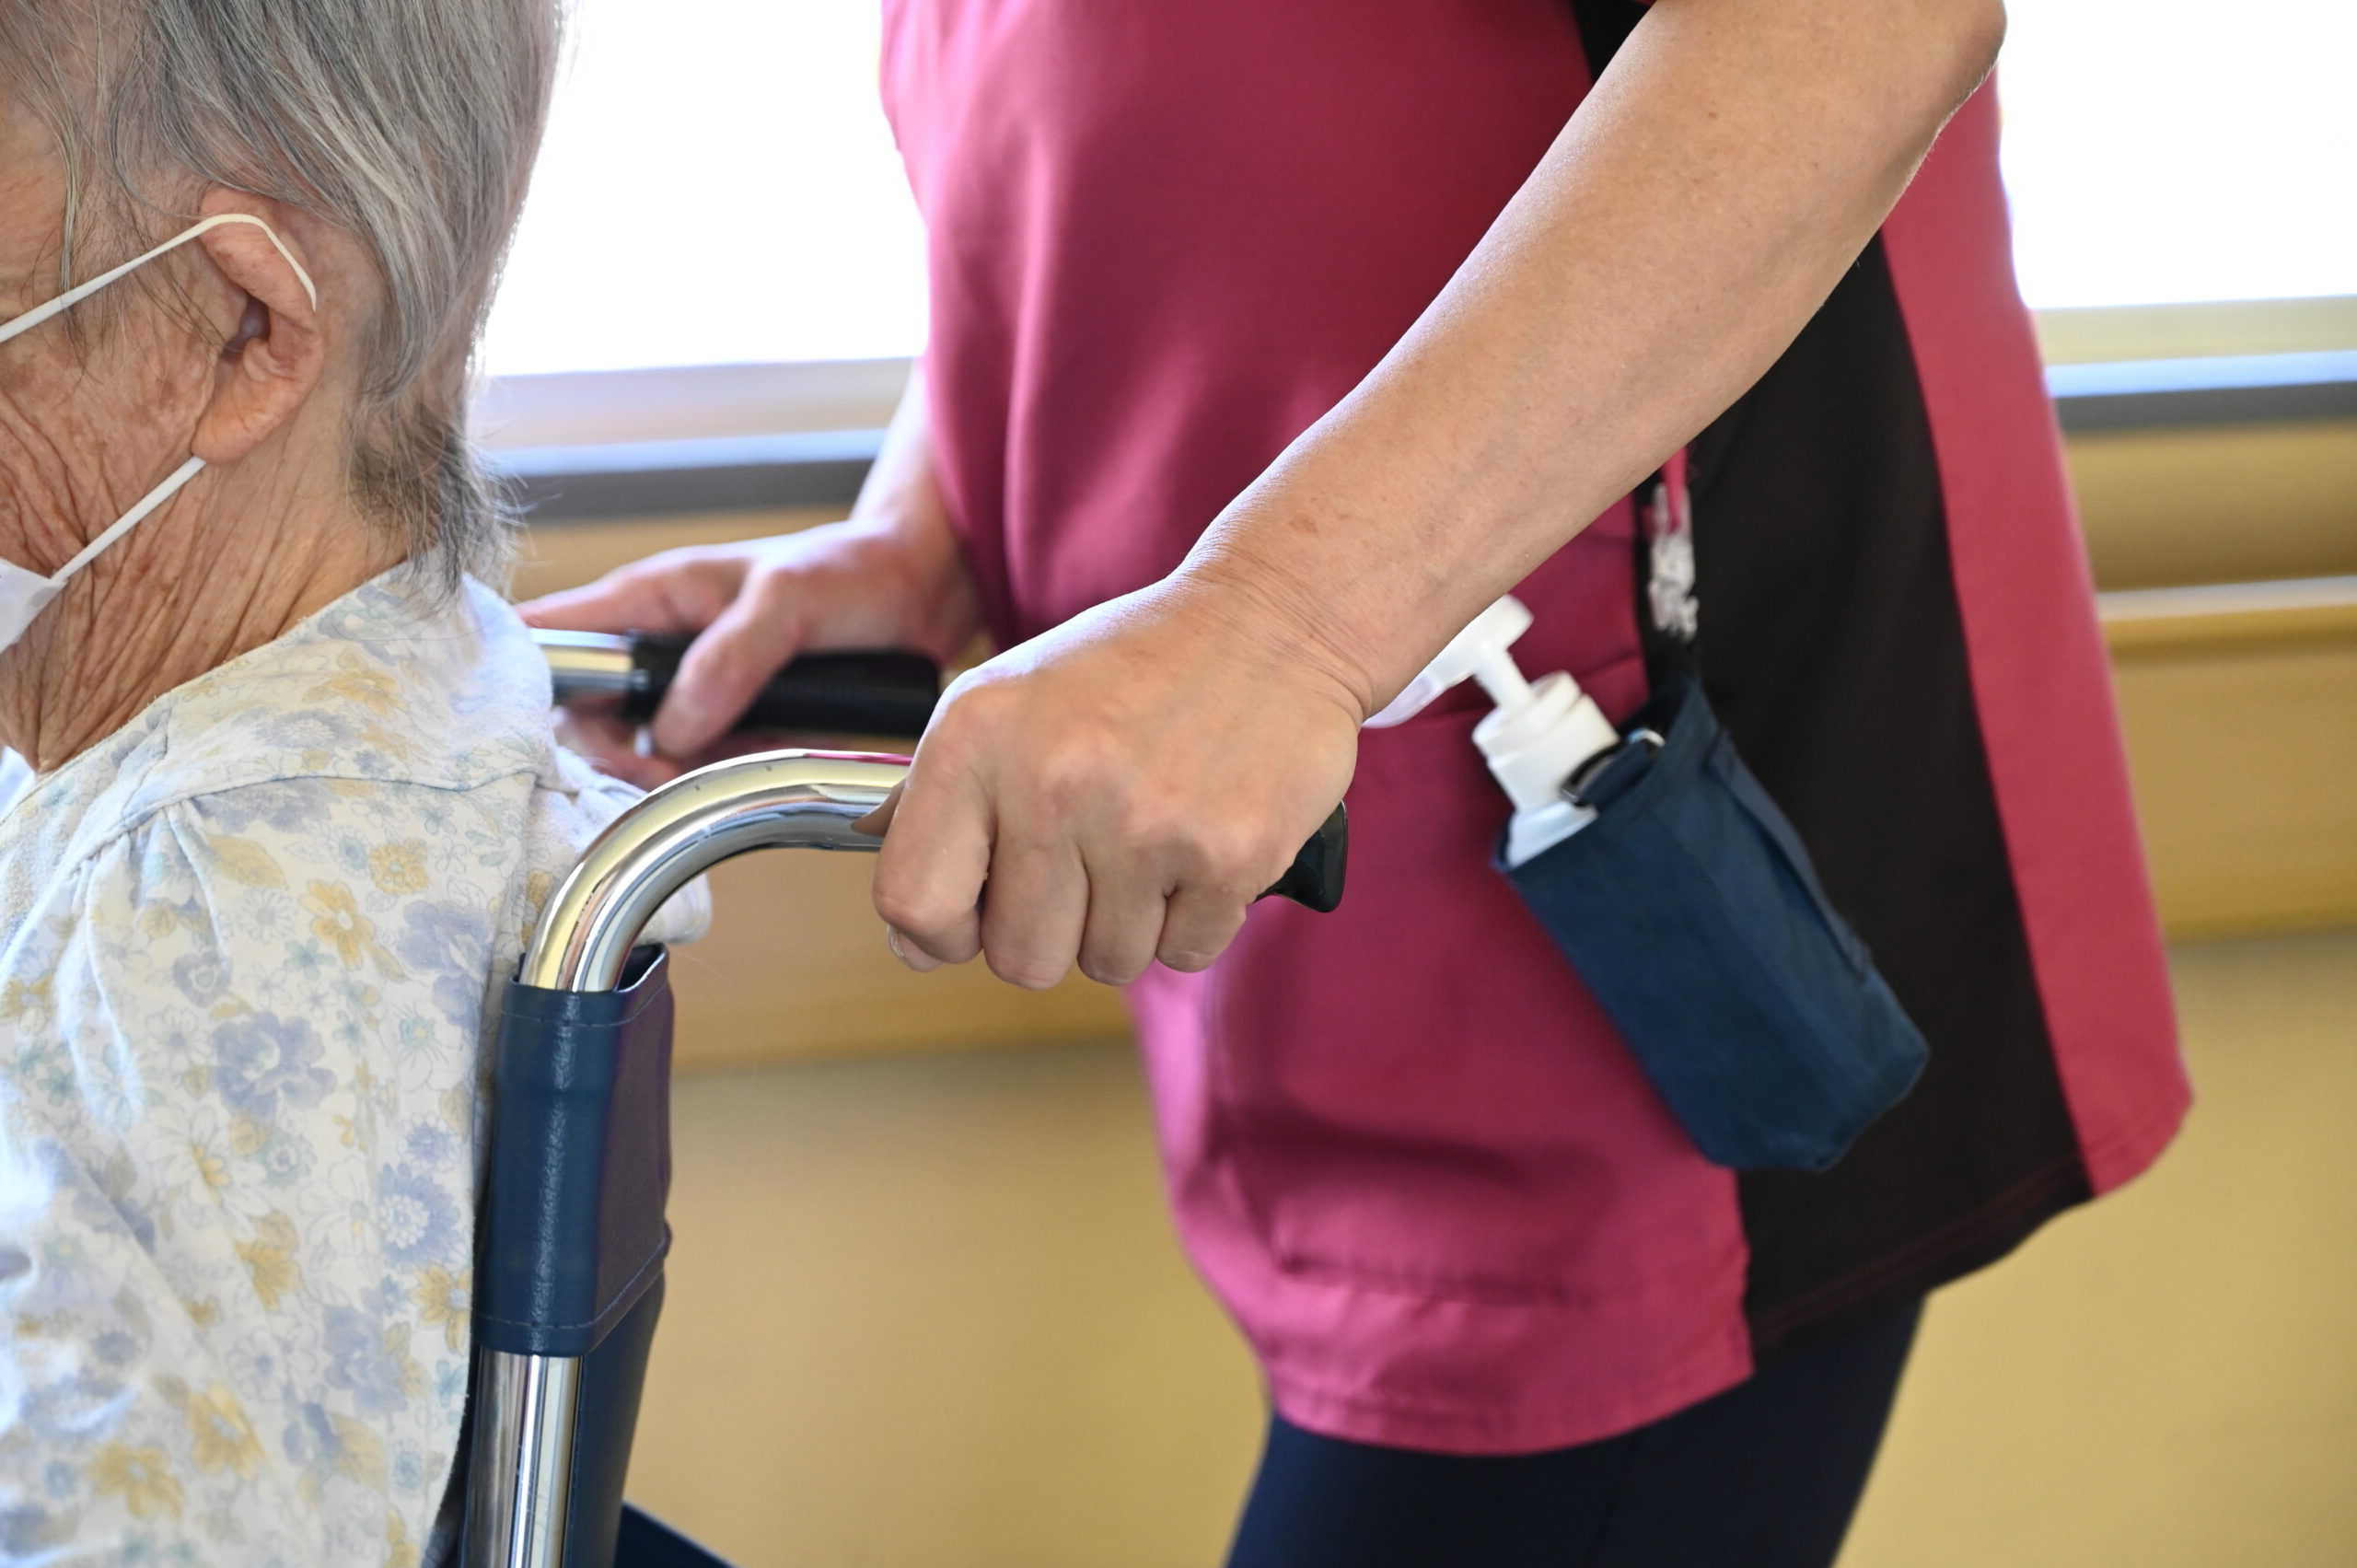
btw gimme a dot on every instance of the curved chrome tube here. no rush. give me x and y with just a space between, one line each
770 800
520 1481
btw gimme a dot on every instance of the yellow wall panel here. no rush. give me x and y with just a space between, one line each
2234 504
2239 705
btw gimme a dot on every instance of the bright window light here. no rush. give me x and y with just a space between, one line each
719 186
2160 151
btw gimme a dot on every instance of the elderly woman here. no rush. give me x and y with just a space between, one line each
287 797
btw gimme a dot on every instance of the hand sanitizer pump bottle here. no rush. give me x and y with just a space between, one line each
1542 736
1687 903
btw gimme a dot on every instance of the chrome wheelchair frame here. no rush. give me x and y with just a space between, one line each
569 1272
571 1236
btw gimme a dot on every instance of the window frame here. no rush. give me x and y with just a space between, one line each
590 446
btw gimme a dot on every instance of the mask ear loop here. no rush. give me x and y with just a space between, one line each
73 296
81 292
131 519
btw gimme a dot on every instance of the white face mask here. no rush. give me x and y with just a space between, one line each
24 593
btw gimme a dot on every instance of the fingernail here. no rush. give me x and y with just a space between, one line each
923 963
641 744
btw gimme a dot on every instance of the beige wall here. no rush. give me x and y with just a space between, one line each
2238 504
2240 710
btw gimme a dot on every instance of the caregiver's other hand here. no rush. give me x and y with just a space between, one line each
863 584
892 576
1126 784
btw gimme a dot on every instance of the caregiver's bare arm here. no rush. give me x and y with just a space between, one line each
1125 783
1687 224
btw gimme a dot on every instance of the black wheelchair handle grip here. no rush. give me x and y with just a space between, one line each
873 691
876 692
1315 879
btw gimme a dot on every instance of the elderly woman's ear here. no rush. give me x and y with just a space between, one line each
275 342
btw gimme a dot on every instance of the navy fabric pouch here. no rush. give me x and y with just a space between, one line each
1691 909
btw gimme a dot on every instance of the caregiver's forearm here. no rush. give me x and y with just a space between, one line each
1699 207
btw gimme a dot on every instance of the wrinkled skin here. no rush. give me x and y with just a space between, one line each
214 350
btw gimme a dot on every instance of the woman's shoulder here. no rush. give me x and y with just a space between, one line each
397 682
397 731
394 684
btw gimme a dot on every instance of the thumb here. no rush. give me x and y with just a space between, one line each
930 873
878 822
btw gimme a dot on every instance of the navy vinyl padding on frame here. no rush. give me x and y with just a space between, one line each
572 1229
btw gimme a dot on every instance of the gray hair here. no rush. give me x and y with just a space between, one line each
409 124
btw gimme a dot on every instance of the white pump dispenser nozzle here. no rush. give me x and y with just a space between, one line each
1539 735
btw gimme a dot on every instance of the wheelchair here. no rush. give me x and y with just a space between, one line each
571 1236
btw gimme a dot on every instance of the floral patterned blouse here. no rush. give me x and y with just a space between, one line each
246 949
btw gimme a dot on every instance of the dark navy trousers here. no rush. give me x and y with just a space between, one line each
1765 1475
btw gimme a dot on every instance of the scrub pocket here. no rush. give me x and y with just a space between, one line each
1691 909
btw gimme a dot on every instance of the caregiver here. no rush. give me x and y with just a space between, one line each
1270 343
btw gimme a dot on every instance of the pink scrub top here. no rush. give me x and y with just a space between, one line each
1402 1144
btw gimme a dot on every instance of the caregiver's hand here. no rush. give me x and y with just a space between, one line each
892 576
1126 784
754 606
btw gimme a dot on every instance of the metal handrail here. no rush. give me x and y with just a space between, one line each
527 1406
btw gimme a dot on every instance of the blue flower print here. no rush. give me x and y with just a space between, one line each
387 1298
418 1037
446 939
430 1143
414 1218
100 1211
287 805
286 1161
461 1000
200 976
306 729
450 942
359 1360
29 1532
310 1440
254 1362
307 957
263 1058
